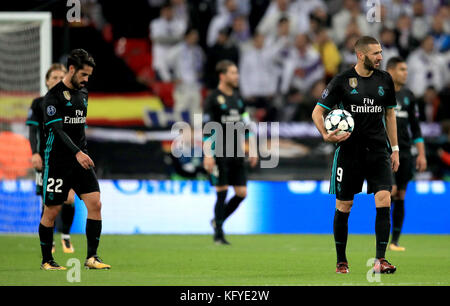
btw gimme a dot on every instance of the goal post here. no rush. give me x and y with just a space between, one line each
25 56
14 21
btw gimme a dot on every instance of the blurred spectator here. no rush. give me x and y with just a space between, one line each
92 10
283 39
426 68
303 66
397 8
329 53
259 8
405 40
222 20
277 10
258 83
165 32
294 98
155 6
224 49
432 7
387 41
350 13
240 33
186 60
304 9
420 22
243 7
201 13
348 53
305 108
444 14
444 153
318 19
441 38
376 27
443 112
180 10
428 105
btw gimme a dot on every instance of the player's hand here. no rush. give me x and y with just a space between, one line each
253 161
209 163
395 161
36 161
334 138
421 163
84 160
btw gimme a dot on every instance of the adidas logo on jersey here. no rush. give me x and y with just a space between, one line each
354 92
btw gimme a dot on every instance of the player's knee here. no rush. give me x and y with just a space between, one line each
51 212
97 206
383 199
242 193
344 206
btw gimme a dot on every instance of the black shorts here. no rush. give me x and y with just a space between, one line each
59 179
405 171
229 171
352 165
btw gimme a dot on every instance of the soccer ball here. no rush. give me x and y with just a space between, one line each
339 119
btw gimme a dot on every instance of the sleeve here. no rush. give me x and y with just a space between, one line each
33 121
390 100
33 114
33 138
208 115
413 115
53 120
331 95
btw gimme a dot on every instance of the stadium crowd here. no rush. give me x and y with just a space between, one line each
287 50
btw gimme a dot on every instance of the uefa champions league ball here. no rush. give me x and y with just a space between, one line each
339 119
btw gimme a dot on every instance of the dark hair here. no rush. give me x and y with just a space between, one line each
189 30
393 62
54 67
283 19
223 65
364 41
78 58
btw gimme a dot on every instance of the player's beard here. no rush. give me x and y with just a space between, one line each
76 84
368 64
232 84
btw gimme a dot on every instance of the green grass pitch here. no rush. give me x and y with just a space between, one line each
251 260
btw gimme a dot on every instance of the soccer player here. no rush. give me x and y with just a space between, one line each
35 122
407 117
225 107
66 163
369 95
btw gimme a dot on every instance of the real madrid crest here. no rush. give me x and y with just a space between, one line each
66 95
221 99
353 82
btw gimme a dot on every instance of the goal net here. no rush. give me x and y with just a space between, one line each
25 56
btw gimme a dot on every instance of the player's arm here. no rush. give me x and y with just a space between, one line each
391 122
251 137
208 152
391 128
33 123
421 160
330 97
53 120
